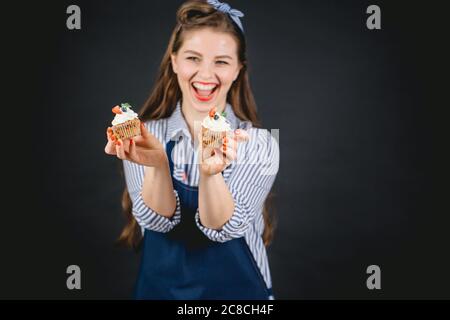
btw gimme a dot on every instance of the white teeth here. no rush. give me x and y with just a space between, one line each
203 86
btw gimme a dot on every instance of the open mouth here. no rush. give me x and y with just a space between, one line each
204 91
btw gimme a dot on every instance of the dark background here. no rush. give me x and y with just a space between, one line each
361 177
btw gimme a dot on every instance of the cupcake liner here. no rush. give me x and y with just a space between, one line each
212 139
128 129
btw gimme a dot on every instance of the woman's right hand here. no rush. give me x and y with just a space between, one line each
144 149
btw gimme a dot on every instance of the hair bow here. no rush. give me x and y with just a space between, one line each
234 14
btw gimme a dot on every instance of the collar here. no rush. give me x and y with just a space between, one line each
177 126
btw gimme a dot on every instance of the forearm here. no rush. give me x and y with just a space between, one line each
215 202
157 190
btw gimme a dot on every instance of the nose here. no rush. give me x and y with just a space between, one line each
205 71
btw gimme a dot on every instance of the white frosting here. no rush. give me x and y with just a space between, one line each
220 124
124 117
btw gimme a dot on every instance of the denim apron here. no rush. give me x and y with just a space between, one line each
184 264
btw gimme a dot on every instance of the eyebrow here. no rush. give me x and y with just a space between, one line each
199 54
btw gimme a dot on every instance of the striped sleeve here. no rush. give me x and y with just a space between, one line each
134 177
249 184
144 215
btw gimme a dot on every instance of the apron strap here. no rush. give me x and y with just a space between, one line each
169 147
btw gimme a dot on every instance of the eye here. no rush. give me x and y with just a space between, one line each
221 62
195 59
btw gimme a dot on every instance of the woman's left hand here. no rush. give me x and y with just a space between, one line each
215 160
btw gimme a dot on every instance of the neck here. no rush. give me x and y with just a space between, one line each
192 116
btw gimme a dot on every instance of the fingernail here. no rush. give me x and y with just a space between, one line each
237 131
131 141
119 143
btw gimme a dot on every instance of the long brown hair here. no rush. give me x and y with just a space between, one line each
166 93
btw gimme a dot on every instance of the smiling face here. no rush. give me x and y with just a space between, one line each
206 66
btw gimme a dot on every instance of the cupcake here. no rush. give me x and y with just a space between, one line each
126 123
214 129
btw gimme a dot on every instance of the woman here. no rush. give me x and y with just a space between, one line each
201 210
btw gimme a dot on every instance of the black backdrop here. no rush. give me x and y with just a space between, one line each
354 107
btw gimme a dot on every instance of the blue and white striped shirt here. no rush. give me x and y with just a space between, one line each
249 179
